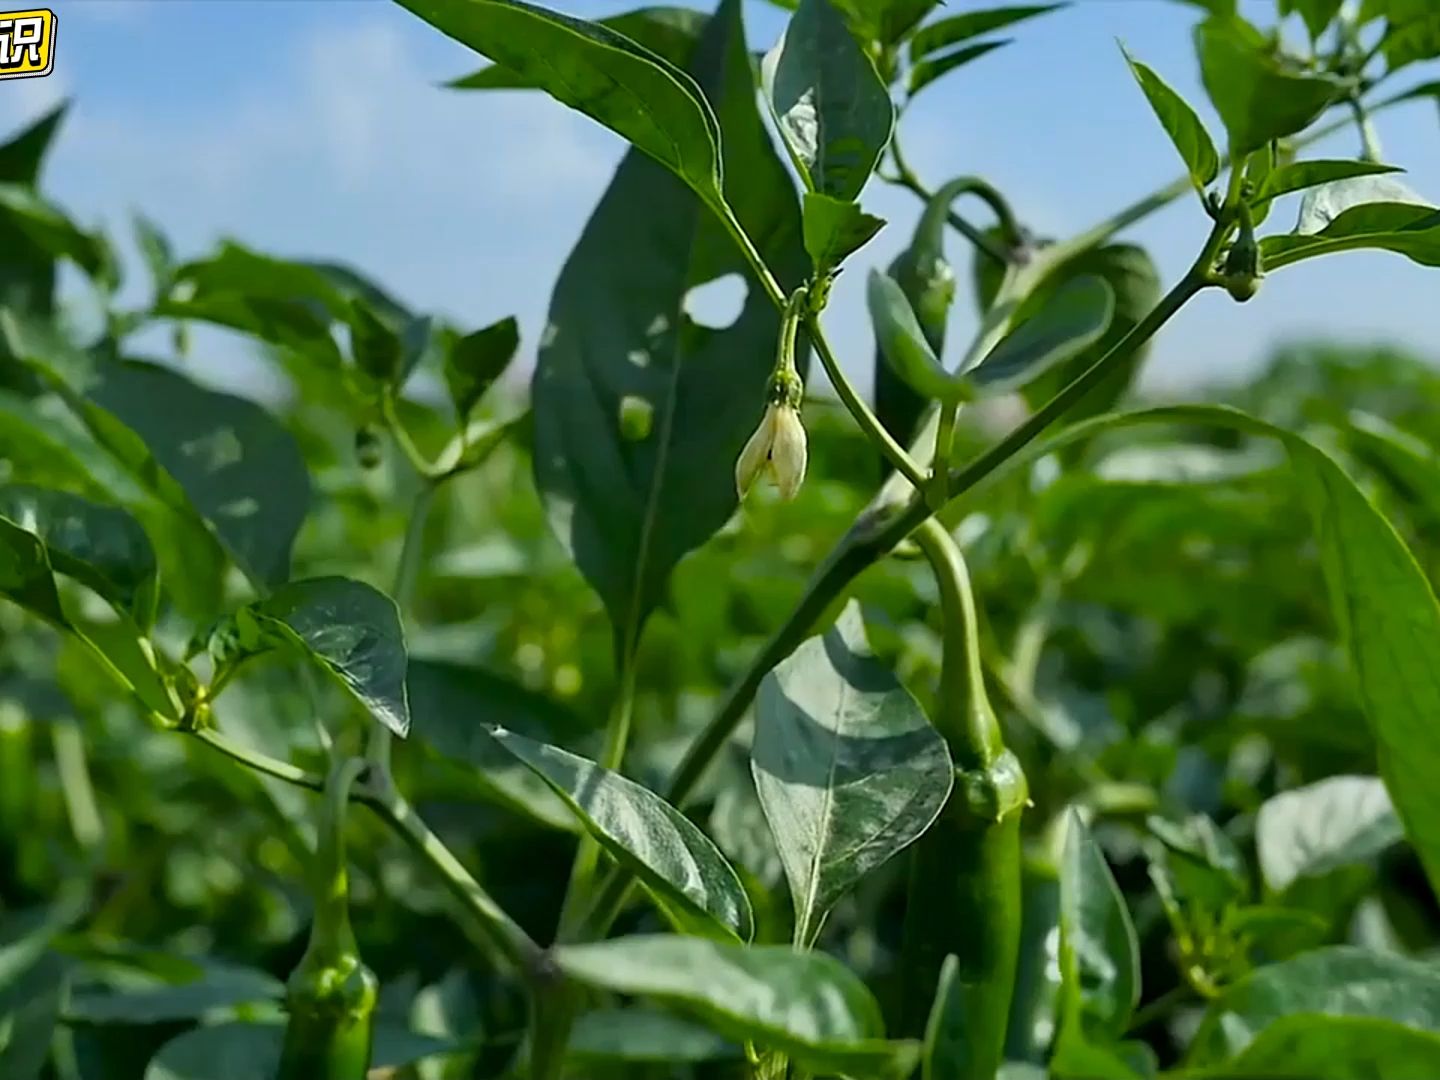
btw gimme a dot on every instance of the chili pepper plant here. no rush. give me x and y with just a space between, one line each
670 720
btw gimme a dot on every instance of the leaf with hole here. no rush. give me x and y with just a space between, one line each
621 343
849 770
685 873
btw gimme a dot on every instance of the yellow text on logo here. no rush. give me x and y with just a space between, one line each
27 43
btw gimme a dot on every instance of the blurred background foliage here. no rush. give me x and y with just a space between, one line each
1156 632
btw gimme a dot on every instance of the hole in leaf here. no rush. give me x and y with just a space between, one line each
717 304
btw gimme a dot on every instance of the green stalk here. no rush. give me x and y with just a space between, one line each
331 994
964 894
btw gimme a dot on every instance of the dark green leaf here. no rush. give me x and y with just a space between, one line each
374 346
683 870
645 1035
628 509
903 344
834 229
1180 122
236 270
833 112
100 546
1340 981
1334 1048
289 324
353 632
26 934
668 32
1099 953
452 708
943 33
1073 319
475 361
649 102
22 156
928 70
239 1051
1404 228
1299 175
1257 100
1325 825
848 768
27 272
25 575
883 21
216 987
807 1005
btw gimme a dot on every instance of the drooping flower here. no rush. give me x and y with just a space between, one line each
778 448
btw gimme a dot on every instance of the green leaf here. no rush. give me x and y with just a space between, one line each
1403 228
475 361
27 273
1257 100
451 708
649 102
904 346
928 70
1299 175
1099 952
50 230
1324 203
374 346
238 271
849 770
215 987
1073 319
1318 14
1186 131
102 547
29 1013
1334 1048
943 33
834 229
1408 462
26 934
1322 826
681 868
214 457
629 508
645 1035
927 282
832 110
668 32
155 249
353 632
807 1005
1340 981
1386 612
25 575
240 1051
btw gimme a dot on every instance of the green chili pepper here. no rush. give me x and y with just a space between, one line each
331 993
964 897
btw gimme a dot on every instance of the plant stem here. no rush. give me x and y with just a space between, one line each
499 935
907 178
869 423
261 763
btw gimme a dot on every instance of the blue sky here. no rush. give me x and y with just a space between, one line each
318 128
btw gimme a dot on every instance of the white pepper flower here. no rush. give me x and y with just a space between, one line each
778 447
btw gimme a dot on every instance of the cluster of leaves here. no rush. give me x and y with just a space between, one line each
1210 630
